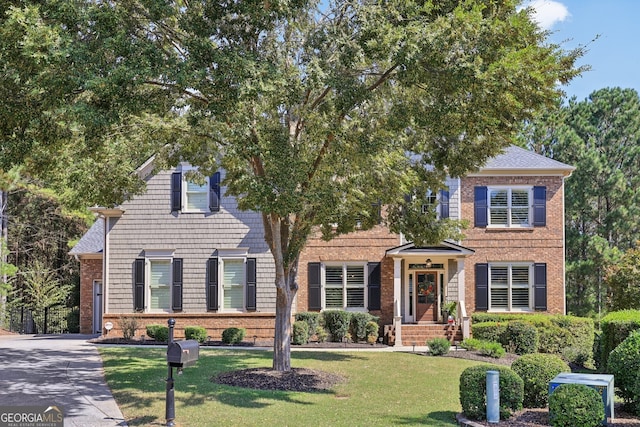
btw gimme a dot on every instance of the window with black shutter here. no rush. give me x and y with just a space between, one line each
374 286
251 284
212 284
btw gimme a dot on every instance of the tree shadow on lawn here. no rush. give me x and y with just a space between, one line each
435 418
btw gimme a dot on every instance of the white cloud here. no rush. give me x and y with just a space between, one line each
548 12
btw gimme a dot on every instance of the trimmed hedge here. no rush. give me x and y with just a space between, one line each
572 405
300 333
197 333
159 333
473 391
311 317
616 327
521 337
233 335
358 325
536 370
337 323
624 364
556 333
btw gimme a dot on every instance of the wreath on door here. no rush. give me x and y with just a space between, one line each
428 291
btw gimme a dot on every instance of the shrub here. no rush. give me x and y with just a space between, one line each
129 325
471 344
617 326
311 317
358 325
233 335
197 333
159 333
321 333
624 364
300 332
536 370
489 331
521 337
372 329
473 391
337 323
438 346
492 349
572 405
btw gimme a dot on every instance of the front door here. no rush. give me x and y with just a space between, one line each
426 296
97 307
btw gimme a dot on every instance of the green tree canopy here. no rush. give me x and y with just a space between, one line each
317 111
600 136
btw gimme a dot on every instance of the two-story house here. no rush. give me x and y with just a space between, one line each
185 251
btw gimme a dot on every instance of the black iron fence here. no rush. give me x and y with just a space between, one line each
52 320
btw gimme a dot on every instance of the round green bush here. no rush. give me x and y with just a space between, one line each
489 331
233 335
572 405
337 323
311 317
358 325
159 333
372 329
473 391
521 337
197 333
624 364
491 349
438 346
300 332
536 370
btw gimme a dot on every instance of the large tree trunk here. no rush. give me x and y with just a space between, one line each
282 340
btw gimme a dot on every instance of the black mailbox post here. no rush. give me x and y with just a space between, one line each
180 354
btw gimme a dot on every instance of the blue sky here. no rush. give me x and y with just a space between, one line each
614 56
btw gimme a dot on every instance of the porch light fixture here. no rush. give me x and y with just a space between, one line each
428 262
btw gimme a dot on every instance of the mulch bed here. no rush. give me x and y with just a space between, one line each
297 379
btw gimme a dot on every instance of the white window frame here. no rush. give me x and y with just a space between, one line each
510 286
205 188
510 208
152 256
344 287
227 255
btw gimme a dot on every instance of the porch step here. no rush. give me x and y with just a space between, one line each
420 333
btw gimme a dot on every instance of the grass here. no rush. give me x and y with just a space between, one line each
382 389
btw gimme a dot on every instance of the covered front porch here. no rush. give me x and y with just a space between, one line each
426 280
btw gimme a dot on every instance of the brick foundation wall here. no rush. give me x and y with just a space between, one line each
538 244
90 271
261 326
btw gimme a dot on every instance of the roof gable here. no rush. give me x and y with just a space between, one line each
92 242
516 160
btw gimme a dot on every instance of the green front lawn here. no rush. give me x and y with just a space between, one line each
382 389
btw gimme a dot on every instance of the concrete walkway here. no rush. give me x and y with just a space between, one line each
57 370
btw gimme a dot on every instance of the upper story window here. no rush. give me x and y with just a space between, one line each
190 197
510 207
438 201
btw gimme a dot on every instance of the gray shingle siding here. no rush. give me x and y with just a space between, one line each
149 224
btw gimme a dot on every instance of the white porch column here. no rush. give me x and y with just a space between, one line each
461 280
397 294
462 297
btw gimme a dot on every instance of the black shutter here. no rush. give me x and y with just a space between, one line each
314 286
176 287
374 285
539 206
212 284
444 204
214 192
176 191
480 207
482 286
540 286
138 284
251 284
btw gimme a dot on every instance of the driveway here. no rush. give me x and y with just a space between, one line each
57 370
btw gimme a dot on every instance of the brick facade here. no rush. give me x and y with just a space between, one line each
368 246
538 244
90 271
260 327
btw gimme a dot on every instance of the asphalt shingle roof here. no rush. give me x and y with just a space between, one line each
92 241
518 158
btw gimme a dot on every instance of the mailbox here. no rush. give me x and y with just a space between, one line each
181 354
